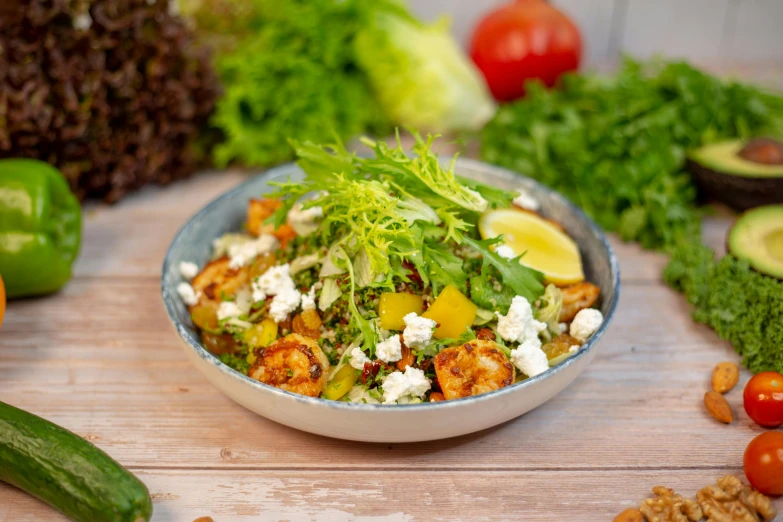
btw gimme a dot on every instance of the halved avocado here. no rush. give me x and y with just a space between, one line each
757 237
740 174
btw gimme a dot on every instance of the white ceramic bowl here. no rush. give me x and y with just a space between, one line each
393 423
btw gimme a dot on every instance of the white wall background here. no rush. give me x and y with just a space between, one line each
702 30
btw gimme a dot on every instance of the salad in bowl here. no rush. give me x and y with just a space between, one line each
389 279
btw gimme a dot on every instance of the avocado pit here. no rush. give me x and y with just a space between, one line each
763 150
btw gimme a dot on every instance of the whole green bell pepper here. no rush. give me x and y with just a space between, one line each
40 227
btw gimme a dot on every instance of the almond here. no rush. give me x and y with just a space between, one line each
718 407
725 376
630 515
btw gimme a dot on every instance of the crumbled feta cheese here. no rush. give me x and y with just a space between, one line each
304 222
389 350
188 270
221 245
243 253
562 327
573 348
586 323
187 294
277 282
227 310
526 200
418 330
398 384
530 359
519 325
308 299
505 251
358 358
285 302
271 282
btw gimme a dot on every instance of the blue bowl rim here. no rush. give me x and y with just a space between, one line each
169 294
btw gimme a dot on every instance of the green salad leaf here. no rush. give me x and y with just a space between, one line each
485 294
522 280
393 216
548 310
419 74
288 69
383 204
445 268
312 69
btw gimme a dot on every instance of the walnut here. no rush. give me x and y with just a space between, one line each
732 501
668 507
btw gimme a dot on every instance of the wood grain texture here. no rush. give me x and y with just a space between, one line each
390 496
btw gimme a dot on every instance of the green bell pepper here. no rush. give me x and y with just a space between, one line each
40 227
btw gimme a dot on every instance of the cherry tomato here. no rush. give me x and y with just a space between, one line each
522 40
764 463
763 399
2 301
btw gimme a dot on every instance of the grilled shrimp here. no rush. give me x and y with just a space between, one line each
294 363
258 210
217 280
472 368
577 297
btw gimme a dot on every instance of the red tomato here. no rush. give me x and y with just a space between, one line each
763 399
764 463
525 39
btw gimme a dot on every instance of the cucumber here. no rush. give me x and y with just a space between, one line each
67 472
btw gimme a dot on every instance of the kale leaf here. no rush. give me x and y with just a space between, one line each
743 306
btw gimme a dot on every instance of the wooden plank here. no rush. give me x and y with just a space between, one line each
101 359
182 496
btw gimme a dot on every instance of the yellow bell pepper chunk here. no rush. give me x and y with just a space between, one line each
260 334
394 306
341 383
453 312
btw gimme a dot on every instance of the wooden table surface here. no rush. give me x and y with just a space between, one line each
101 359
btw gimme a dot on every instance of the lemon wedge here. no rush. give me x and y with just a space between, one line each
546 248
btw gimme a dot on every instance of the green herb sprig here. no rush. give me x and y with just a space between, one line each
616 145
